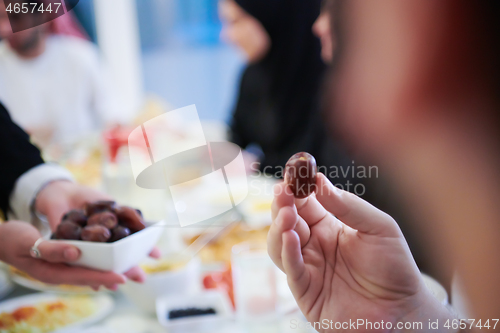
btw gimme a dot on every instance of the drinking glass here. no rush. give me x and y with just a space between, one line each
254 282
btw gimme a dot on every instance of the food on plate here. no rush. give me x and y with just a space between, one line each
27 281
300 174
106 219
100 221
164 265
96 233
190 312
118 233
84 162
219 248
68 230
47 316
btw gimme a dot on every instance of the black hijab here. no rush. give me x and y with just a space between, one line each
278 99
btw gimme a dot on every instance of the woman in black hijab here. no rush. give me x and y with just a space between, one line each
278 104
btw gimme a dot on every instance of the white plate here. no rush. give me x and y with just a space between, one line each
5 285
104 306
40 286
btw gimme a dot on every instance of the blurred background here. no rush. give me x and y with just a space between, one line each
182 59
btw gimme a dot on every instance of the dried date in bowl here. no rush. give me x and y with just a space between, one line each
92 208
118 256
106 219
68 230
118 233
76 216
130 218
300 174
96 233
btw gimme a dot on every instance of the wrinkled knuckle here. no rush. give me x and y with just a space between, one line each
302 203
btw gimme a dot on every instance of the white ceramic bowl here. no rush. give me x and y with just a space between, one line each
183 281
208 299
118 256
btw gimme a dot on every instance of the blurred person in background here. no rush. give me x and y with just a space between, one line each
278 107
417 91
322 28
55 86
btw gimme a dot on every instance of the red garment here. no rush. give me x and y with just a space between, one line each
67 24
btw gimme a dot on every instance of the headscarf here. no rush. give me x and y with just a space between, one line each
68 25
277 106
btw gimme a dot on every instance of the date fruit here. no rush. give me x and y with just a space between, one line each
118 233
100 221
77 216
68 230
130 218
92 208
96 233
106 219
300 174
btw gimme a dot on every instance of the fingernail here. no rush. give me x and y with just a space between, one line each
70 253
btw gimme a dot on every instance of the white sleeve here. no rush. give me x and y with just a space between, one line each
29 184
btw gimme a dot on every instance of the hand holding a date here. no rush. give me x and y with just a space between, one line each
345 259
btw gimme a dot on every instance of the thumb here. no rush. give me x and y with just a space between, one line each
56 212
58 252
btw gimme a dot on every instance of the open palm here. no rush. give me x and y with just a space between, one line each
344 259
